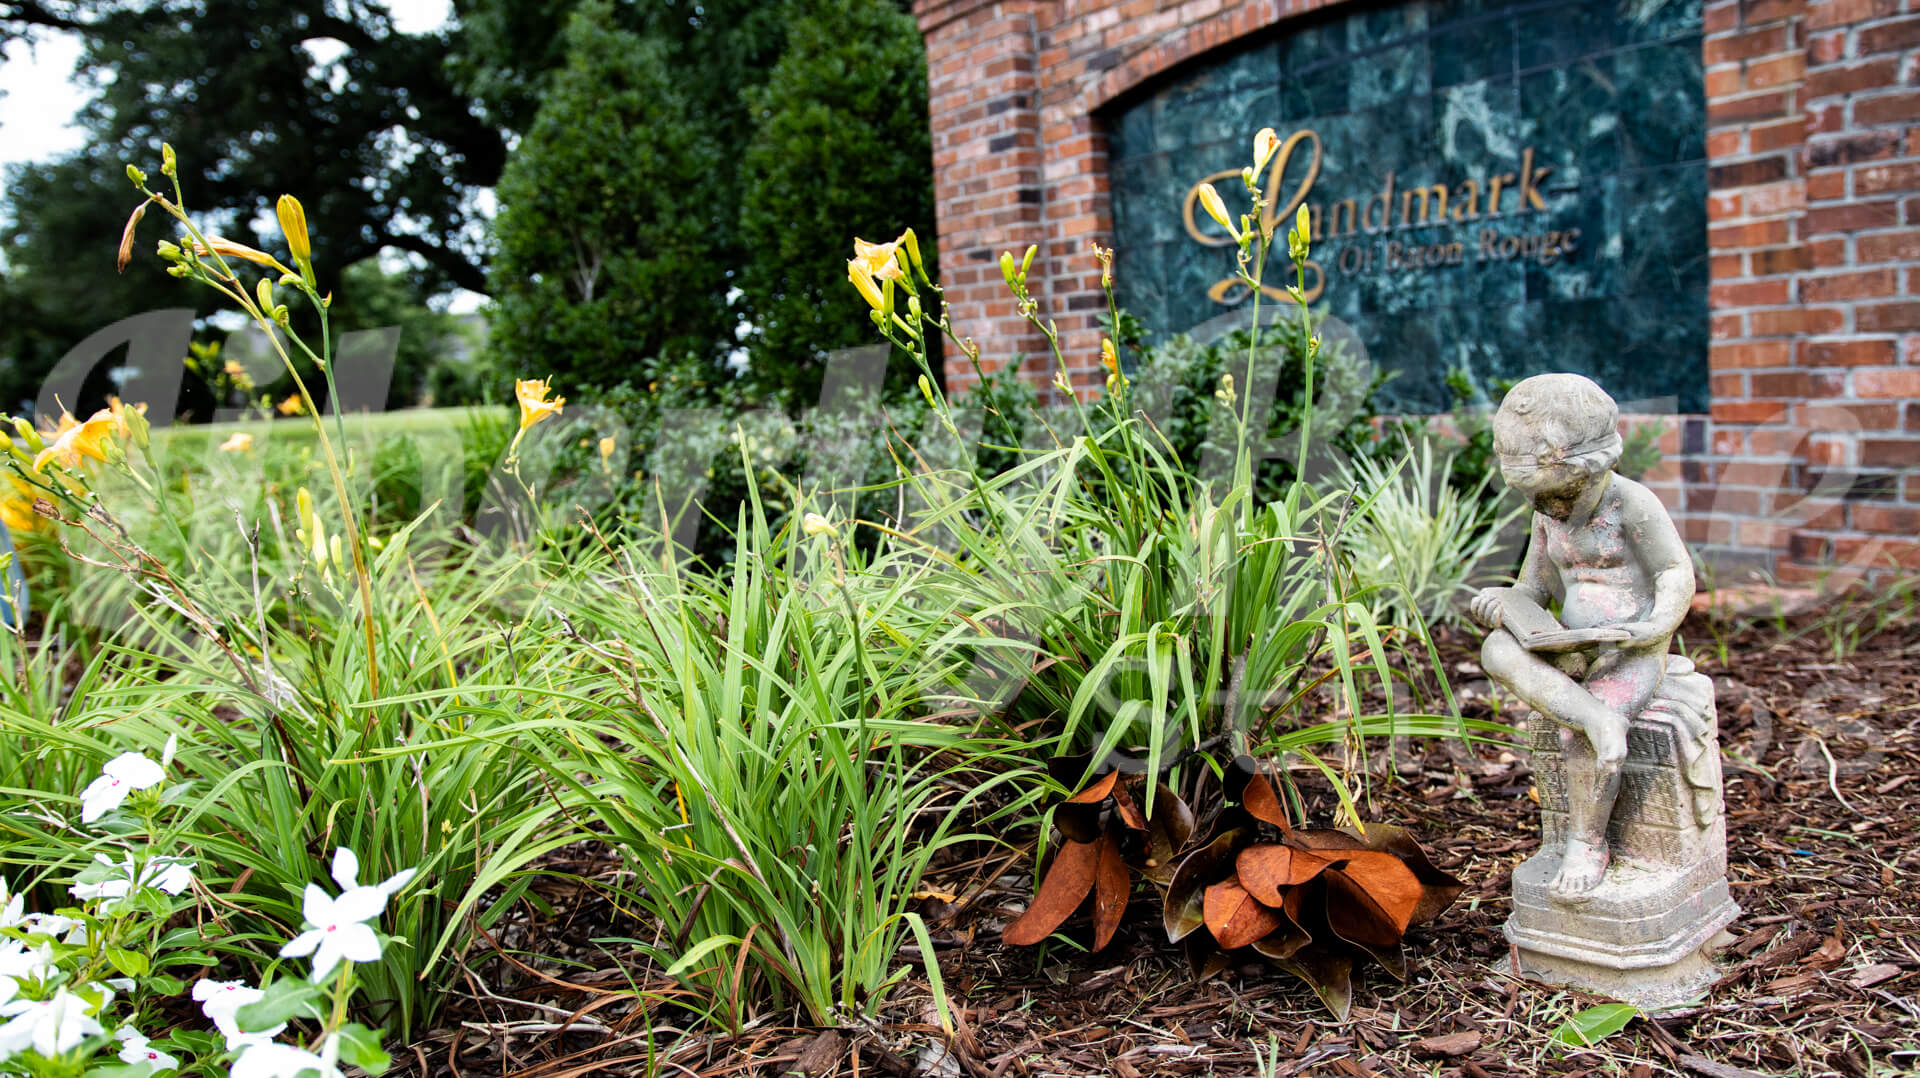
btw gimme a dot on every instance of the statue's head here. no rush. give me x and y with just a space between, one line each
1555 434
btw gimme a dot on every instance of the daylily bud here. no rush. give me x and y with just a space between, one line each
815 524
1216 209
169 251
293 222
926 390
263 291
281 316
911 244
1027 262
169 164
126 236
1264 145
1006 267
1246 177
138 177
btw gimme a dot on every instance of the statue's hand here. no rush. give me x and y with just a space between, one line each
1486 609
1644 633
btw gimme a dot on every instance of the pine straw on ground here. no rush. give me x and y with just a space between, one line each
1823 799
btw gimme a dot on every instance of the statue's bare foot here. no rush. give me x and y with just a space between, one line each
1582 868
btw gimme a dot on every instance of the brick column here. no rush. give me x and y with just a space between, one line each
1862 229
984 100
1812 123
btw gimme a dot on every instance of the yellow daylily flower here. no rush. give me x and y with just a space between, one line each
16 505
862 278
226 248
76 440
293 405
534 405
1108 358
241 442
880 258
131 422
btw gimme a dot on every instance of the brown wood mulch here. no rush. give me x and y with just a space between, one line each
1823 798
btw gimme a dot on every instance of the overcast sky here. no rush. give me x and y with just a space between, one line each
36 115
41 97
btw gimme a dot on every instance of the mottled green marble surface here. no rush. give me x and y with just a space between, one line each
1608 95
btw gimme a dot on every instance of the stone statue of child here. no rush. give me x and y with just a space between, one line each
1604 546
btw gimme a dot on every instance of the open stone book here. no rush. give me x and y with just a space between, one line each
1537 630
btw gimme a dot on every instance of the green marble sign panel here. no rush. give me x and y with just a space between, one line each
1502 187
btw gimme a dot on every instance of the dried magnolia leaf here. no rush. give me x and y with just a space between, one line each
1282 943
1329 973
1183 909
1062 890
1110 889
1097 790
1387 883
1235 917
1439 889
1325 838
1204 958
1262 803
1171 817
1354 914
1267 871
1125 809
1078 822
1168 833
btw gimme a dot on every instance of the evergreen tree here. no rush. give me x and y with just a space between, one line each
607 214
839 148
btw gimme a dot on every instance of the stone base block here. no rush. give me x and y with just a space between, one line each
1642 938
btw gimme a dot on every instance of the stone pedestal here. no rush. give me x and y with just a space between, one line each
1643 935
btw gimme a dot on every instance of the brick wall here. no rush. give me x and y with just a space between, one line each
1813 142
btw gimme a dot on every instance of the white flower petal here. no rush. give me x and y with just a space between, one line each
303 944
316 906
359 904
325 959
102 796
134 769
399 879
346 869
358 943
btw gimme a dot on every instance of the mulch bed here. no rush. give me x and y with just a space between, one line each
1823 799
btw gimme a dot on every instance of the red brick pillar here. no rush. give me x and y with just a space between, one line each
984 100
1814 145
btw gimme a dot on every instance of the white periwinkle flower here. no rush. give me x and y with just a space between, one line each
51 1027
19 962
270 1059
339 928
135 1048
221 1001
124 774
169 874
